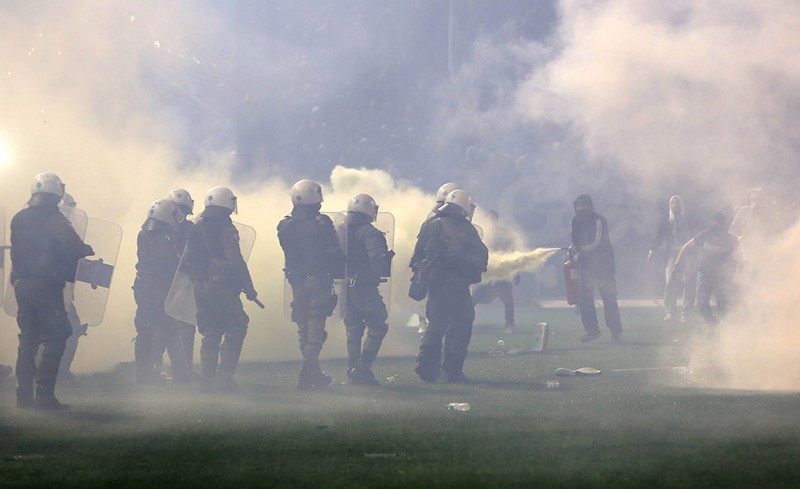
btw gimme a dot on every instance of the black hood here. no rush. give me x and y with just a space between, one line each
585 200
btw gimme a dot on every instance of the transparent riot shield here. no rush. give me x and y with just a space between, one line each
93 277
385 223
180 303
339 286
76 217
3 248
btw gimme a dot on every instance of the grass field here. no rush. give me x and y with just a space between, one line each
639 428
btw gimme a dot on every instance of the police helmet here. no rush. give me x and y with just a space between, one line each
445 190
364 204
47 183
166 211
306 192
221 197
182 198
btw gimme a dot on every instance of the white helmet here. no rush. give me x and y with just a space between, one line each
166 211
68 201
445 190
462 199
306 192
47 183
364 204
182 198
221 197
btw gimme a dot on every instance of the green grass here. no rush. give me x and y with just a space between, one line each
633 429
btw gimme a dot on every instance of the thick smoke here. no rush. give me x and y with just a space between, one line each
694 98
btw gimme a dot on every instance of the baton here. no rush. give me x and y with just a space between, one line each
259 303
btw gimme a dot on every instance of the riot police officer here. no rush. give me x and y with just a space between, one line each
368 258
441 195
158 256
45 251
313 258
214 263
183 199
453 256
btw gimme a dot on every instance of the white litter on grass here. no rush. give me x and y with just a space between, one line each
581 372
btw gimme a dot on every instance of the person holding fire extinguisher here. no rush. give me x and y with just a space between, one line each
594 257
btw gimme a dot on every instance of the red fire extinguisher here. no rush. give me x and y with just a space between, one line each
572 280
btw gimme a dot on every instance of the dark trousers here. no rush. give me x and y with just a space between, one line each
365 310
450 316
718 285
222 322
607 287
43 322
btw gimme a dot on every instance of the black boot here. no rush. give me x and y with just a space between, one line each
25 396
46 399
428 363
312 377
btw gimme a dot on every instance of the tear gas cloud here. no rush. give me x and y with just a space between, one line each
75 104
698 99
628 101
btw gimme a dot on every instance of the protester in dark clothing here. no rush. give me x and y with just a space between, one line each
719 261
594 255
314 257
674 230
45 250
454 257
214 263
158 255
368 257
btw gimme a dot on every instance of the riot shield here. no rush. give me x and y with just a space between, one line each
94 273
385 223
3 249
180 303
76 217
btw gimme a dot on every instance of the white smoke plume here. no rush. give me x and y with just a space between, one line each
700 94
75 103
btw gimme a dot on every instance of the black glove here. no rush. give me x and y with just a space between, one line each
251 294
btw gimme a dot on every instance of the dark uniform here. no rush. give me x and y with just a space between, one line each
158 256
455 257
45 250
214 263
314 258
367 258
595 258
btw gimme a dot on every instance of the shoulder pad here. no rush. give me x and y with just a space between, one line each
323 219
283 222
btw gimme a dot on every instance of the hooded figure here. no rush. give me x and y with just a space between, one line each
594 255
